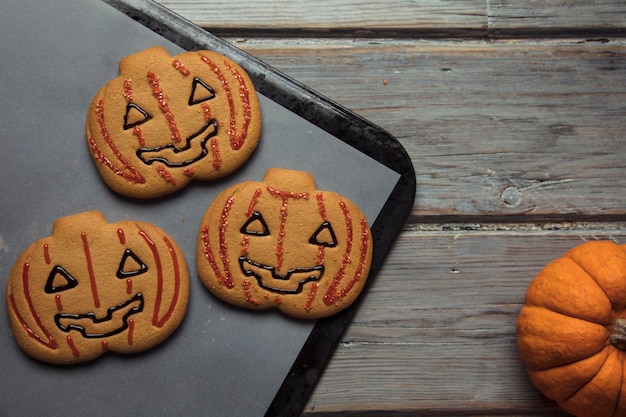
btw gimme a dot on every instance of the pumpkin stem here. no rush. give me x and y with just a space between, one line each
618 334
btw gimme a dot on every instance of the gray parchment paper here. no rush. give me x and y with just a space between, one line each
222 361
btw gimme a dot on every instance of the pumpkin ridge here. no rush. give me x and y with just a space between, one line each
563 313
573 361
615 411
591 276
592 377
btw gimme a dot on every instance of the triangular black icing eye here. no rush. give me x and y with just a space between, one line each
135 116
324 236
200 92
59 280
255 226
130 265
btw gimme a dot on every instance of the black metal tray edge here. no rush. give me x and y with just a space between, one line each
347 126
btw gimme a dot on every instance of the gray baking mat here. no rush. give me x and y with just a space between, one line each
222 361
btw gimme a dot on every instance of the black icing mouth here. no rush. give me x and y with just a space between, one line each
194 150
90 326
291 283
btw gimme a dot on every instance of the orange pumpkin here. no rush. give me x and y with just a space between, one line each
283 243
93 287
168 120
572 330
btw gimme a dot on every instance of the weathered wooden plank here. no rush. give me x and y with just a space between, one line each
498 129
425 18
436 330
355 16
600 17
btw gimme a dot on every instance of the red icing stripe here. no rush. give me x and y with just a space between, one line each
127 90
70 343
213 142
121 236
180 67
92 275
46 253
226 278
160 322
165 174
246 289
131 330
322 210
157 92
47 341
236 140
253 201
311 297
127 170
284 196
159 273
176 268
245 240
128 95
332 295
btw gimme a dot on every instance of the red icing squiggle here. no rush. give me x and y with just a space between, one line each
157 92
228 279
180 67
92 275
127 90
215 151
47 340
245 244
213 142
245 239
225 278
208 254
236 140
253 201
284 196
46 253
176 268
246 284
311 297
159 322
332 295
127 170
128 95
121 236
322 209
165 174
72 345
131 330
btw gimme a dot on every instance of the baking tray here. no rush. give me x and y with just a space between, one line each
222 360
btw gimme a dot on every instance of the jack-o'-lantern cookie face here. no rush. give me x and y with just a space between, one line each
282 243
93 287
168 120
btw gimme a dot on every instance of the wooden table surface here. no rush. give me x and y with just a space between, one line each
514 116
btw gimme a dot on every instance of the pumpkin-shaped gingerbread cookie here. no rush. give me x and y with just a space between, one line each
93 287
282 243
572 330
168 120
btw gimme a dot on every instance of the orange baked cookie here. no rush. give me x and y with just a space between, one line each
168 120
282 243
93 287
